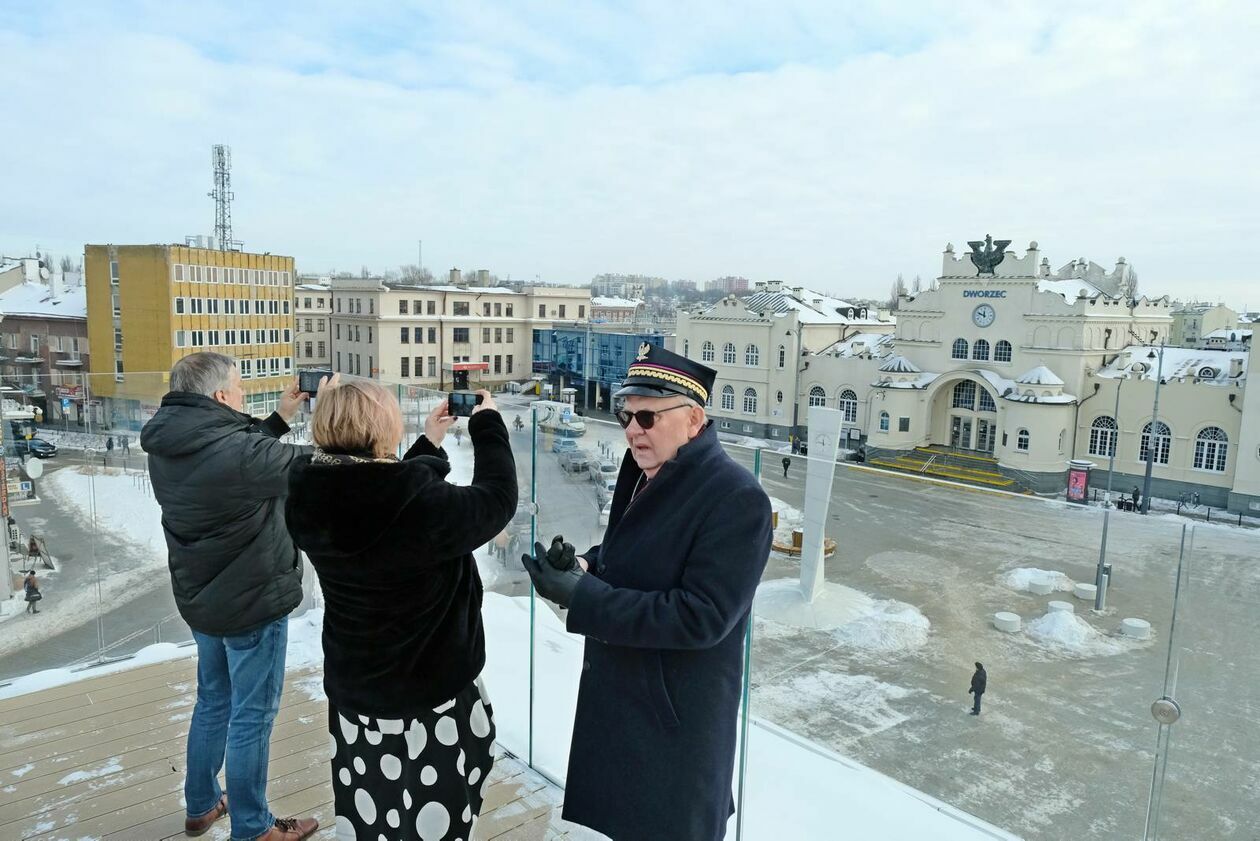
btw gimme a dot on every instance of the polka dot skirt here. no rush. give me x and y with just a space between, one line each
419 779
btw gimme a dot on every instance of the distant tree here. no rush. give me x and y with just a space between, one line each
411 273
898 289
68 265
917 286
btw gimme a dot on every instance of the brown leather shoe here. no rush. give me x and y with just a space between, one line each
290 829
198 826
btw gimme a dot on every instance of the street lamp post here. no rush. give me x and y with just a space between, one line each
1150 441
1100 575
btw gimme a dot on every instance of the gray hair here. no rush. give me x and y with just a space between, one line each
202 373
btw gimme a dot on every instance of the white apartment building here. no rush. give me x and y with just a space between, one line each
312 320
422 335
757 344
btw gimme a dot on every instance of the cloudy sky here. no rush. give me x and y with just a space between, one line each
831 144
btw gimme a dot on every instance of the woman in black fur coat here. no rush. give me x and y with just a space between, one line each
392 542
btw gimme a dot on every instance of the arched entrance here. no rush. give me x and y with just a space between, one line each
964 415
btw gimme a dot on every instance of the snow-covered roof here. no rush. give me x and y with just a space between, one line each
9 265
313 287
1212 367
36 299
1041 375
877 345
923 380
615 303
1230 334
900 365
1070 289
810 307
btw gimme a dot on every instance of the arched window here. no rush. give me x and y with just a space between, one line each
1022 440
1163 442
960 349
750 401
986 402
1002 351
817 396
687 348
1211 448
782 356
1102 436
752 356
848 405
706 352
883 421
965 395
728 398
980 350
728 353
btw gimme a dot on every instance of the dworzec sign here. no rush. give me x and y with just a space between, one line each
984 293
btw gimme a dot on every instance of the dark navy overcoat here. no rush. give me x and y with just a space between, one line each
664 613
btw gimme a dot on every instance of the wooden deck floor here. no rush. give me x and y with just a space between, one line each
103 759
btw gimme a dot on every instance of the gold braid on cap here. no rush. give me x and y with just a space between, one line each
670 376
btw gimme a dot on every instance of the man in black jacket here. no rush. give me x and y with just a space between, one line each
220 477
978 682
663 603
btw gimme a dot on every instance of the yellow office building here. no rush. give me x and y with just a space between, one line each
150 305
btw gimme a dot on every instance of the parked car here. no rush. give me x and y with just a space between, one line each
604 490
564 445
37 447
605 513
602 469
574 461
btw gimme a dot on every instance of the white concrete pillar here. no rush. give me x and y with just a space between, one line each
824 442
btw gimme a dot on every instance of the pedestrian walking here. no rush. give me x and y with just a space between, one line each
459 436
220 477
979 681
392 543
787 462
109 444
1137 496
32 551
31 588
663 603
125 443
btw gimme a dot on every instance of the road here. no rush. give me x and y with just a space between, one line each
1065 746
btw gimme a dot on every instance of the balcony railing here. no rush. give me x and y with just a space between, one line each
854 718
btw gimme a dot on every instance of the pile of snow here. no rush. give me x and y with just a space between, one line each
854 619
1068 632
890 628
123 506
1019 579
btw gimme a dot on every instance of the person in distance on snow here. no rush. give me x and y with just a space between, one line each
663 603
391 541
979 682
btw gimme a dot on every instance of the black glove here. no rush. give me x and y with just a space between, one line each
555 571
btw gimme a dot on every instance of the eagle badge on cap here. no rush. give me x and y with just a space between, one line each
643 351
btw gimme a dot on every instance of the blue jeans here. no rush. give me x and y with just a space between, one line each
239 680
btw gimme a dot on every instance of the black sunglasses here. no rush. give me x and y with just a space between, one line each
646 418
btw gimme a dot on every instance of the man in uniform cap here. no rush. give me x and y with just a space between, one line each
663 603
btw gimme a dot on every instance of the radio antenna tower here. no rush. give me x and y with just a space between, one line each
221 158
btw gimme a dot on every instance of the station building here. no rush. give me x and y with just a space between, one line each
1023 368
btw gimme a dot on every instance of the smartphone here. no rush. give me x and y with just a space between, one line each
460 404
308 381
